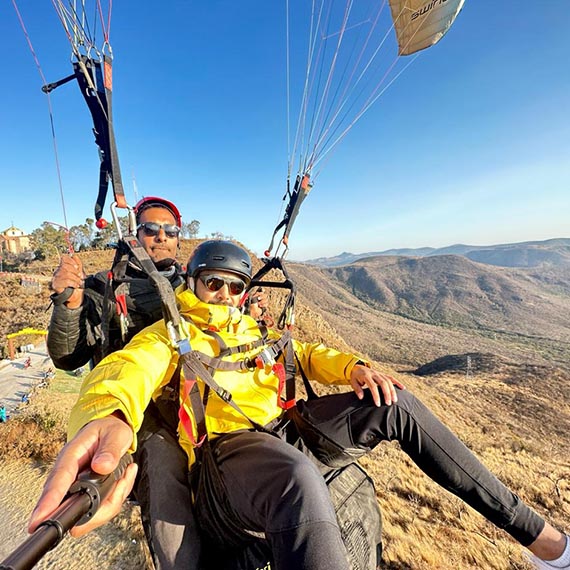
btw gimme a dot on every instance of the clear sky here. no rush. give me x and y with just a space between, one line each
470 145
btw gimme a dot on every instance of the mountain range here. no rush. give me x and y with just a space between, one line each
524 254
412 310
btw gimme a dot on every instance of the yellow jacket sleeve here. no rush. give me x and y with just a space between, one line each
126 380
325 365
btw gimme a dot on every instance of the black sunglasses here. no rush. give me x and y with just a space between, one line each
152 229
214 283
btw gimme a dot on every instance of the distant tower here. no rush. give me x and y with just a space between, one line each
468 368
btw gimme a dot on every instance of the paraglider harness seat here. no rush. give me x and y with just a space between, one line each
351 489
118 287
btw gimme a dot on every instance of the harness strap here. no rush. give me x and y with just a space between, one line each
216 363
117 273
286 318
311 394
193 367
247 347
105 312
287 378
129 247
270 354
95 80
161 283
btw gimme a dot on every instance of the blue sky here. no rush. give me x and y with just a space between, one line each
470 145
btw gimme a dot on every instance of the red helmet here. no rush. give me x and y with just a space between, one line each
155 202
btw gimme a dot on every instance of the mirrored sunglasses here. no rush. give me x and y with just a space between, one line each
214 283
152 229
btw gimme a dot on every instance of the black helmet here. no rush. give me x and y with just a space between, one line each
220 255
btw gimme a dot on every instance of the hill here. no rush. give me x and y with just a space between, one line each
412 310
553 252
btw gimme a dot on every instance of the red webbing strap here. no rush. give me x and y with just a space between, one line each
190 387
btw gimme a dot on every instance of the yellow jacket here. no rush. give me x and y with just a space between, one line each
127 379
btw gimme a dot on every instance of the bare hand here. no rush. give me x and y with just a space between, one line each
258 304
69 274
99 445
363 377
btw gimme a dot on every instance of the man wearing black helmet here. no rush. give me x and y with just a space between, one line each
266 484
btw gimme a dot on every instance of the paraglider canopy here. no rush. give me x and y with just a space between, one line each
420 24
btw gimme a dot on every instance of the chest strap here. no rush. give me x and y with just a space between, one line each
193 368
130 248
196 364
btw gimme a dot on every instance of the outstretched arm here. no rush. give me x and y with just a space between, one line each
99 445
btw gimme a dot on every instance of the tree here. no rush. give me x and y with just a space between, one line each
48 240
190 229
104 236
81 236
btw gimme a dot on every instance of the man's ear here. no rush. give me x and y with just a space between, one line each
191 284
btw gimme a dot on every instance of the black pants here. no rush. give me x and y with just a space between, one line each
274 488
164 496
433 448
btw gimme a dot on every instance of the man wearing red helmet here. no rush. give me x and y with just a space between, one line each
76 335
76 330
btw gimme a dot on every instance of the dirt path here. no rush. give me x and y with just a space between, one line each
16 380
111 547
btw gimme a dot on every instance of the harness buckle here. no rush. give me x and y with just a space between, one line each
183 346
263 358
224 395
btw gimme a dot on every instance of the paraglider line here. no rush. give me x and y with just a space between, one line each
50 110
